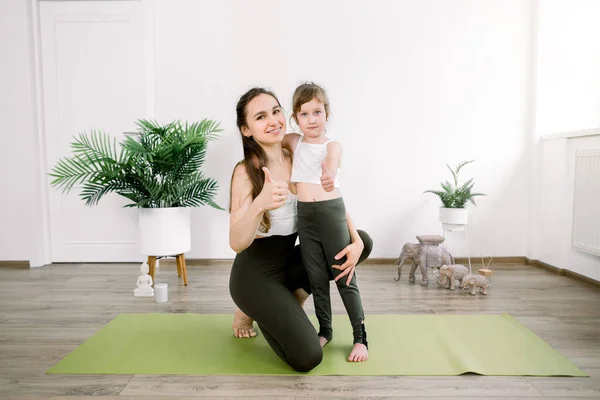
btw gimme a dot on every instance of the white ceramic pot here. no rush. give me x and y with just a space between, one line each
454 218
165 231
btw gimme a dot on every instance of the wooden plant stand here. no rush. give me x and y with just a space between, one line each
181 269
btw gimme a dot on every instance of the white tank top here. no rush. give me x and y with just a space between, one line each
283 219
307 163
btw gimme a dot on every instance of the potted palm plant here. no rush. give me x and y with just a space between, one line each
453 212
157 170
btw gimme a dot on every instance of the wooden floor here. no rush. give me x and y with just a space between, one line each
46 313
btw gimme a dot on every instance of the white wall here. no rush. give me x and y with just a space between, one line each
555 233
16 135
422 83
568 95
413 85
567 99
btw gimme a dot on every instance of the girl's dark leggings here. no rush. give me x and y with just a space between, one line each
262 281
323 231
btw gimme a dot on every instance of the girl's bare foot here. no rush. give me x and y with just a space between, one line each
323 341
359 353
242 325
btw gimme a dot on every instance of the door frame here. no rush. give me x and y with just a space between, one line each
40 253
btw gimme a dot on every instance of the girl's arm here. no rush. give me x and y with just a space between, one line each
331 163
333 160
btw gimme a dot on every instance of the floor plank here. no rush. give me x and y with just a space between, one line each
330 386
569 388
47 312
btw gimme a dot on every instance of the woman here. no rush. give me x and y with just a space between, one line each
268 281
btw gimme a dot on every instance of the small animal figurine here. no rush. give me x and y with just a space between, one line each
425 254
144 283
448 274
477 283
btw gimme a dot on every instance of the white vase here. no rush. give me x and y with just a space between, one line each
164 231
454 218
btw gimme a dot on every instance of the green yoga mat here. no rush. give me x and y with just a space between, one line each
194 344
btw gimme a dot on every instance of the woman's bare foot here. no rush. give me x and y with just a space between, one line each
359 353
242 325
323 341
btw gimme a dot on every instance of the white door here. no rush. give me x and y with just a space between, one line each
95 72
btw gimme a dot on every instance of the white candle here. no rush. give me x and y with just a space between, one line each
161 292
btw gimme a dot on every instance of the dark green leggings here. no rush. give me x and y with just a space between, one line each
262 281
323 232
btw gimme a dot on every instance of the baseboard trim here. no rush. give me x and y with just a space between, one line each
562 272
379 261
475 262
368 261
14 264
207 262
198 262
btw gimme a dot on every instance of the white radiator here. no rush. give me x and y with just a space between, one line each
586 203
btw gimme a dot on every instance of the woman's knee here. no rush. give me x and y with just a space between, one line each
368 245
306 359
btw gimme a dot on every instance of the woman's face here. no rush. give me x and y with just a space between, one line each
265 121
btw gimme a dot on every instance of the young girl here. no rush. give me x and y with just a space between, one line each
322 219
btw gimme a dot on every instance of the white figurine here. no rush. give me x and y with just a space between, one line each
144 283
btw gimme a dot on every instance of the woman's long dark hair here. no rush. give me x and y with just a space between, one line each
254 155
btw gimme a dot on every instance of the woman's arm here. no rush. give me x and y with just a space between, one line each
290 142
354 236
246 213
355 248
352 252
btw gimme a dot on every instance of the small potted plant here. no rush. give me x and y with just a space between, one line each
453 212
157 170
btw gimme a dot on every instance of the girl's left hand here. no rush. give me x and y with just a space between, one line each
327 180
352 253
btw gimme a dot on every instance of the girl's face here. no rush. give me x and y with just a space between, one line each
265 121
312 119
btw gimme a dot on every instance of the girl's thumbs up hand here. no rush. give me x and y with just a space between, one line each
327 180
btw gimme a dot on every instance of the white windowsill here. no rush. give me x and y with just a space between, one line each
572 134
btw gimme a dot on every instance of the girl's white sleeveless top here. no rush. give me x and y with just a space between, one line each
307 163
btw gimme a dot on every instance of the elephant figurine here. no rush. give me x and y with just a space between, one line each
424 255
451 273
477 283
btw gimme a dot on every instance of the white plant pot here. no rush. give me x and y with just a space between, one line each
454 218
165 231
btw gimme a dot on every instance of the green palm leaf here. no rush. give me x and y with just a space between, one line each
200 193
160 167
